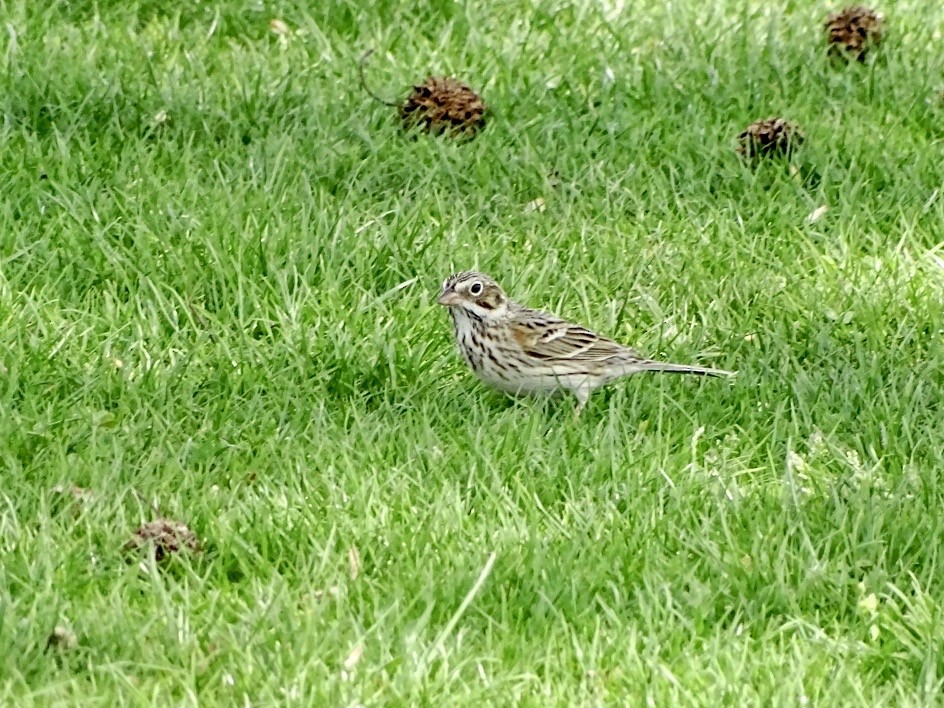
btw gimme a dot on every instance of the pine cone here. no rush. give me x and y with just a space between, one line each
441 105
854 30
166 537
768 138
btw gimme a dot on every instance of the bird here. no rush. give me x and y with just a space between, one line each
522 351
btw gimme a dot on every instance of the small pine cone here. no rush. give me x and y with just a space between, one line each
768 138
165 537
444 105
853 31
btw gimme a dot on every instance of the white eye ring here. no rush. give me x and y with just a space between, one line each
475 288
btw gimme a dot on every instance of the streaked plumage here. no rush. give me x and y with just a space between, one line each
523 351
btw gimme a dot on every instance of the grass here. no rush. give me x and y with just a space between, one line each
218 264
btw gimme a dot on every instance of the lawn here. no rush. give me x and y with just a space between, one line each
219 259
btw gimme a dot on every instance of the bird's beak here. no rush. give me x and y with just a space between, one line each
449 298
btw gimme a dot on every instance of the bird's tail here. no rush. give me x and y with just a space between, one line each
682 369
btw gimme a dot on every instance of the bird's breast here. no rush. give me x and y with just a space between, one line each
468 339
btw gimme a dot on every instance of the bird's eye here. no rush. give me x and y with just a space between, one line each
475 288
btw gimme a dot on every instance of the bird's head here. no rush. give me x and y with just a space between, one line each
474 293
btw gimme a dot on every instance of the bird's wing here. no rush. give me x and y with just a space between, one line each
548 338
